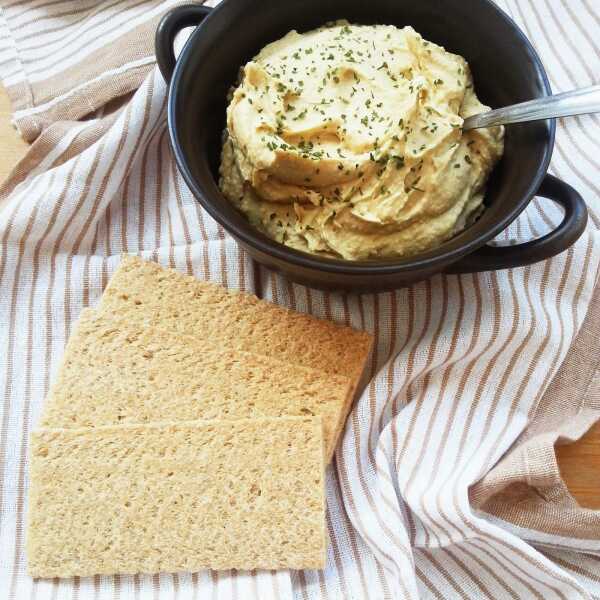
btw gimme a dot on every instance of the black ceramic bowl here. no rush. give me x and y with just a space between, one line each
506 70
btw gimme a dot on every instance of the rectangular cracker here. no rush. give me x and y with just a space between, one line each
243 494
116 372
144 292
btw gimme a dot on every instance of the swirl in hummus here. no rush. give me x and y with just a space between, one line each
346 141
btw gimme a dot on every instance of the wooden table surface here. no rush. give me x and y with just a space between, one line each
579 462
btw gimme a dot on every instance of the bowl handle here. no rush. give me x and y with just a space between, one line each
494 258
187 15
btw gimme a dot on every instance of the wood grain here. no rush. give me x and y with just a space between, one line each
580 467
579 463
12 147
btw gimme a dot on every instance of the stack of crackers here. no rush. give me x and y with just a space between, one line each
188 428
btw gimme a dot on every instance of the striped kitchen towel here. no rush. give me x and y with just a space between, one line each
445 484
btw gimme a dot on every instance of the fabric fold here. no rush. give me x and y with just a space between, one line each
525 487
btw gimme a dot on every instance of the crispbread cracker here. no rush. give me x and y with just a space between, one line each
115 372
241 494
144 292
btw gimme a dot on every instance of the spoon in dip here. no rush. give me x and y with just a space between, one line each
576 102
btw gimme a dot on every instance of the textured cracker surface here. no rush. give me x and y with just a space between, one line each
115 372
177 497
147 293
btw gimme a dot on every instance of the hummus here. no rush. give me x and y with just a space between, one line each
346 141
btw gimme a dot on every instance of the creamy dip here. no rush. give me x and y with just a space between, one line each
346 141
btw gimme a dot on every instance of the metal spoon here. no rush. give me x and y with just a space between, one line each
577 102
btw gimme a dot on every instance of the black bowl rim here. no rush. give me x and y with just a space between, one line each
255 239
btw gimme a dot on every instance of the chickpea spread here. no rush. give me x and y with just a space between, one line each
346 141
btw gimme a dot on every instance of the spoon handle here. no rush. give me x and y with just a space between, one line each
577 102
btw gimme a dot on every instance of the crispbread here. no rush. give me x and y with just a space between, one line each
116 372
239 494
144 292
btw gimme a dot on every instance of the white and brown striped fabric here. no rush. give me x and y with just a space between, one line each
446 483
